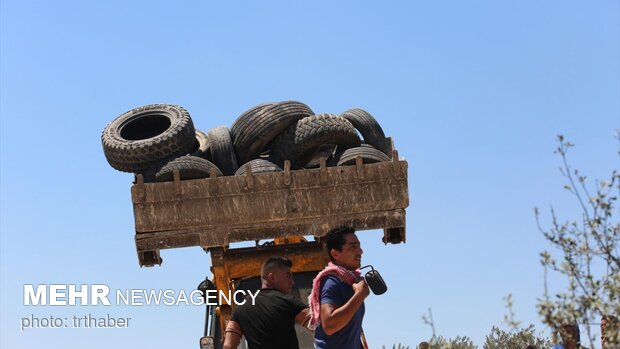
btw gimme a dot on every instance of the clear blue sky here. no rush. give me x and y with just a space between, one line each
473 92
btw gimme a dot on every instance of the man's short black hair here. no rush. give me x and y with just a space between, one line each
274 263
334 240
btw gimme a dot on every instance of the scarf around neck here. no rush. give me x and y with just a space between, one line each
347 276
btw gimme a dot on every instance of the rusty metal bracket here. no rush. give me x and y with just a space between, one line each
323 171
176 175
213 173
249 177
359 166
394 155
149 258
139 192
287 172
394 235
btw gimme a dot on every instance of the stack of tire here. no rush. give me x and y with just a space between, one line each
156 139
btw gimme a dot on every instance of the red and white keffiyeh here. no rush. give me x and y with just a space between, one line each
347 276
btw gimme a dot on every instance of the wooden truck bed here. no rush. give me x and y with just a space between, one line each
216 211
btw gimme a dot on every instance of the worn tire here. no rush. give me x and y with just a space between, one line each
368 153
299 142
255 129
222 150
190 167
368 126
258 166
148 136
240 123
202 149
326 151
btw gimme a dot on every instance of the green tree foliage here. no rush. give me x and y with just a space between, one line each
396 346
497 339
452 343
500 339
587 253
400 346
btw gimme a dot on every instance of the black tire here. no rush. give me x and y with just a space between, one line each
369 155
239 124
148 175
202 149
255 109
258 166
148 136
369 128
190 167
299 142
326 151
255 129
222 150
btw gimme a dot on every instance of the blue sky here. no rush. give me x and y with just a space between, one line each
473 93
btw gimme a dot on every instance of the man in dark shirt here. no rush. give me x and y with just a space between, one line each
342 293
270 322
